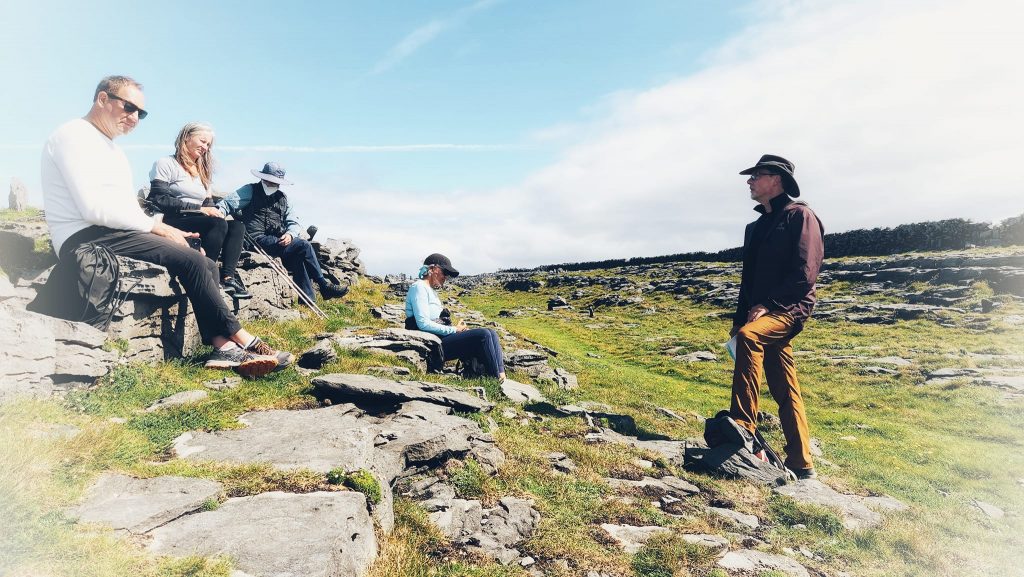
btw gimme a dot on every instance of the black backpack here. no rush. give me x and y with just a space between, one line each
83 287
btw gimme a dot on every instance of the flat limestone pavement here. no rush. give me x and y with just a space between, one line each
140 505
322 534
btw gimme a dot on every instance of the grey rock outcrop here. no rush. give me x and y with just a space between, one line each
318 355
417 347
855 511
753 562
493 532
18 197
743 519
672 486
375 390
41 355
535 364
521 393
632 539
322 534
392 313
339 259
141 505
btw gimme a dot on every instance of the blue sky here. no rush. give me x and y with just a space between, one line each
513 133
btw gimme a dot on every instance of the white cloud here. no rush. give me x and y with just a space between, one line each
893 112
425 34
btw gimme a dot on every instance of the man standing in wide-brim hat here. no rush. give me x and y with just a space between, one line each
782 254
264 209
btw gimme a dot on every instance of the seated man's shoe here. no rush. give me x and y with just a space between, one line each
283 358
243 362
234 287
804 474
333 291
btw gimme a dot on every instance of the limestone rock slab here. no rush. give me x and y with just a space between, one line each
750 561
367 388
853 509
521 393
632 539
669 485
322 534
140 505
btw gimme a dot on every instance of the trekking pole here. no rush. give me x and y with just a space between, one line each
279 269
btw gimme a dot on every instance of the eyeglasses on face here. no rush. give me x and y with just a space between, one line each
129 107
756 175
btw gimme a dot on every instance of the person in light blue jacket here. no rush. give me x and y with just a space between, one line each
424 312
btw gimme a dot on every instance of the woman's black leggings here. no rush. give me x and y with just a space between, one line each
481 344
222 239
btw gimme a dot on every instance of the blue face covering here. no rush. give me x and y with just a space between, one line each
423 271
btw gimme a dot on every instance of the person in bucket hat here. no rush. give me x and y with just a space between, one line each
782 254
89 198
264 209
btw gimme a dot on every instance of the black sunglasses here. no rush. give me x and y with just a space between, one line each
129 107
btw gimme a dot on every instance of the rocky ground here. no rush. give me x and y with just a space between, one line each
385 434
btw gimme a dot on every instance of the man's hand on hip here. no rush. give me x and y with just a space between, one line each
756 312
174 235
285 240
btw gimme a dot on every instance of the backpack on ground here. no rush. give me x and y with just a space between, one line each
723 430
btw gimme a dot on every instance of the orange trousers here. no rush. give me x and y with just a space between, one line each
762 346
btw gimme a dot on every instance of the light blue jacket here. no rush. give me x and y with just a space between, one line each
422 303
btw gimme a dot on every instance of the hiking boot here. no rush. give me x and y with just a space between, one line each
804 474
243 362
333 291
234 287
258 347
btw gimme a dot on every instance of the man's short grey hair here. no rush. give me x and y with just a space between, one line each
113 84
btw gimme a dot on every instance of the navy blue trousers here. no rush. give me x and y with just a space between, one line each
475 343
300 260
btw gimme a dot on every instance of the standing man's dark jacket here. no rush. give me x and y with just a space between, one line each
782 254
268 214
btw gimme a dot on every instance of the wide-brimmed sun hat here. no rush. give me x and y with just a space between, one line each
273 172
780 166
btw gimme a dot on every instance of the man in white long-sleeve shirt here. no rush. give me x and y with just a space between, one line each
88 197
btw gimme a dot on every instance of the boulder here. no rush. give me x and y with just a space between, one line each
321 534
41 355
318 355
392 313
558 303
375 390
18 197
513 521
141 505
339 260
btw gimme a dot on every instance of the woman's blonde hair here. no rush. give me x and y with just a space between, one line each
203 166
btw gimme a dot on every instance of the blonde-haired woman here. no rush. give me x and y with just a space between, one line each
180 188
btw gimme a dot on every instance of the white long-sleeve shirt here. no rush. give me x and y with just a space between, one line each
87 181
